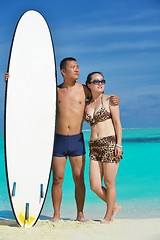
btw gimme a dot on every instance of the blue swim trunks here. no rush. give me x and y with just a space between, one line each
69 145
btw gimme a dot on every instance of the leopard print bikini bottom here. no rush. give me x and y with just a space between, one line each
103 150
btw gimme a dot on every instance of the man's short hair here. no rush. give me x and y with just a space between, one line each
65 60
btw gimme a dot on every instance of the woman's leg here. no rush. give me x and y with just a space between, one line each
110 171
96 174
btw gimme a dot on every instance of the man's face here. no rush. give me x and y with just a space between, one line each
71 71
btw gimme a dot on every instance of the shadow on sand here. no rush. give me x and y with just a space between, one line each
7 218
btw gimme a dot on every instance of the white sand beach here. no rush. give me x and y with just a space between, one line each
119 229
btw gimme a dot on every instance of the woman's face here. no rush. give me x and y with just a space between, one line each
97 83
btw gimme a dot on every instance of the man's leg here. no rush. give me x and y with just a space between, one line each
58 168
77 164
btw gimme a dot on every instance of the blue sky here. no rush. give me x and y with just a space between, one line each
119 38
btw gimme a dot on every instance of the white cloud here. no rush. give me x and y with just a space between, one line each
146 14
110 47
120 29
84 31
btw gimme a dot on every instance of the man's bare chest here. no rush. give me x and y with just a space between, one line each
69 98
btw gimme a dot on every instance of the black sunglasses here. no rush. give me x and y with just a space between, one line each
97 82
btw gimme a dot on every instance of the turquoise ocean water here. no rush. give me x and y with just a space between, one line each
138 181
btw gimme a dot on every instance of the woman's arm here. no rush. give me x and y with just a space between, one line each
118 128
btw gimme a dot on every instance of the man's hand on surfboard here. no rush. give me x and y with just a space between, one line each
6 76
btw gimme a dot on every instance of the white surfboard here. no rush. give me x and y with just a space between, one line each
30 110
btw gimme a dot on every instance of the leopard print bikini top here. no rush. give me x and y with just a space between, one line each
101 115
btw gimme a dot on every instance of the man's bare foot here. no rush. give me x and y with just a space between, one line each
81 218
116 209
54 219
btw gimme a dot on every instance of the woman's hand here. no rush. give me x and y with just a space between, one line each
118 151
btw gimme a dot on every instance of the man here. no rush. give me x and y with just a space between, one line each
69 140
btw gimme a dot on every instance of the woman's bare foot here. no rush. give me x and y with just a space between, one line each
106 221
116 209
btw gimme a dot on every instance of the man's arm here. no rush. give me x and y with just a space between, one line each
87 92
115 100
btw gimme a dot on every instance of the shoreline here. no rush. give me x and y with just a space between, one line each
124 128
119 229
143 208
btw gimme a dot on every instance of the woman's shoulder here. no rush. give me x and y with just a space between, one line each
106 97
107 101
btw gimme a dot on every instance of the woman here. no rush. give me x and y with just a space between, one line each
105 143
